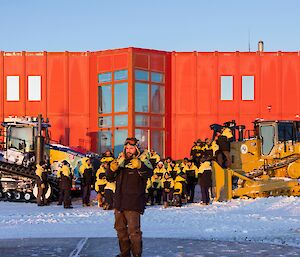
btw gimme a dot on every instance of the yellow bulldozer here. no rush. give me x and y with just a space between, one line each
264 163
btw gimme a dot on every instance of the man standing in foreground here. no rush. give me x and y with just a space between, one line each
130 174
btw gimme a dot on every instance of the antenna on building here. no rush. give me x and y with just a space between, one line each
249 49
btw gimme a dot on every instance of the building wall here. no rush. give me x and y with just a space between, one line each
69 90
196 101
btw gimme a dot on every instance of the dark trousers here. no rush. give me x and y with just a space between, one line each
66 196
190 188
41 195
86 193
155 195
167 196
205 194
109 198
128 227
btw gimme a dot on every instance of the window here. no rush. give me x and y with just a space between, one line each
141 75
226 87
247 87
157 121
105 122
141 97
104 141
121 120
120 136
121 97
157 77
142 136
157 141
12 86
120 75
157 99
104 77
104 99
34 88
267 138
141 120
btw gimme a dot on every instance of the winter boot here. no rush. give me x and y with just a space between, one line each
124 248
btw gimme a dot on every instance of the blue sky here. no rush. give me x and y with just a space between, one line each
180 25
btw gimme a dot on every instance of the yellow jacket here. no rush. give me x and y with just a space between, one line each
159 171
204 166
167 185
156 180
214 146
155 156
39 170
227 133
193 167
100 173
84 165
110 186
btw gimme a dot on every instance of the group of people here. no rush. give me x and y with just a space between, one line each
128 182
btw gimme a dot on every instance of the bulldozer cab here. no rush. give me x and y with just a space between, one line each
20 133
277 138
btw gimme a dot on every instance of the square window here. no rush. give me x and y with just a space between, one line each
34 88
157 77
120 75
247 87
141 120
104 77
141 75
13 88
121 120
226 87
105 122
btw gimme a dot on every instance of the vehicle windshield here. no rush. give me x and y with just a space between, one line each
267 138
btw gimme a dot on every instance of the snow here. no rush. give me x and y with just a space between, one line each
270 220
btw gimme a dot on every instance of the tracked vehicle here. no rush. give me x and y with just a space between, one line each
266 162
23 145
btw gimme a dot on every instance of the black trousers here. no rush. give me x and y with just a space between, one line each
128 227
86 194
205 194
109 198
167 196
190 188
41 196
66 196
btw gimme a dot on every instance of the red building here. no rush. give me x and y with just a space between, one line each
94 100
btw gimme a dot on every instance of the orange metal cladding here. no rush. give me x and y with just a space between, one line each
196 100
69 90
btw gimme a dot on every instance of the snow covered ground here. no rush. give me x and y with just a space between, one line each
271 220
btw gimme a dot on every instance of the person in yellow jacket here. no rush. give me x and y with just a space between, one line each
160 170
156 190
101 179
154 158
65 184
87 180
42 183
205 175
179 188
191 171
223 140
109 192
167 183
184 163
174 169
